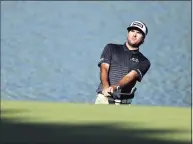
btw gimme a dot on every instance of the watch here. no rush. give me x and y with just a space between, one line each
118 88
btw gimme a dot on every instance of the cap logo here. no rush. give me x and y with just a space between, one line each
137 24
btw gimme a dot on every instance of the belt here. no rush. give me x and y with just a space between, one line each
121 100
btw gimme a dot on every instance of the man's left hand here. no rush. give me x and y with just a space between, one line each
112 88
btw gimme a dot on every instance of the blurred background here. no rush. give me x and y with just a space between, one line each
50 50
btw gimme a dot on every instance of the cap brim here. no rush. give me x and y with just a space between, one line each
134 27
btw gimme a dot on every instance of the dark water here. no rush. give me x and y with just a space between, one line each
50 50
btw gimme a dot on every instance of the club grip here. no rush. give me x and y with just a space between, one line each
110 93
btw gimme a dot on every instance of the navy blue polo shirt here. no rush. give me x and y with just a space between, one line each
122 61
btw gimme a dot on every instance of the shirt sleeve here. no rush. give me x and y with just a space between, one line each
105 56
142 68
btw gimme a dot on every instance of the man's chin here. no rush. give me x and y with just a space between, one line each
133 44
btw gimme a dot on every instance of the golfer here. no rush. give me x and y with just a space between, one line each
121 66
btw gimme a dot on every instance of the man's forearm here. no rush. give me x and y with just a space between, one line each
104 77
124 81
130 77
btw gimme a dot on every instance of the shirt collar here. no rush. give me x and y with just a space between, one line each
132 51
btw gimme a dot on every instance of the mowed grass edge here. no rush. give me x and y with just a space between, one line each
135 116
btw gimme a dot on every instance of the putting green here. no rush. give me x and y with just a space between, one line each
147 124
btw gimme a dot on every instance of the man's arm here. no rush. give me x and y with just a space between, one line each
134 75
104 75
104 65
130 77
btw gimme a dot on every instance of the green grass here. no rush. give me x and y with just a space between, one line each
36 122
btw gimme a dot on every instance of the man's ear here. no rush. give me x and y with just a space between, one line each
142 41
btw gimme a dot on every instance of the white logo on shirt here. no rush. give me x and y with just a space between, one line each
101 59
135 59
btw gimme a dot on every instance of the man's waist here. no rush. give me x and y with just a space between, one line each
120 100
123 90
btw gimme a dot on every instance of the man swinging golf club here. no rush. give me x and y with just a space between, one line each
121 66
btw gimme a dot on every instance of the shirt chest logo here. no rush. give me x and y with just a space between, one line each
135 60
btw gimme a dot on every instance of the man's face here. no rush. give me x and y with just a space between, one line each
135 37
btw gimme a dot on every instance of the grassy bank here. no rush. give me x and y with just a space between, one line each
36 122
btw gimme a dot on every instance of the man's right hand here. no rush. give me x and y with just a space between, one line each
106 91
